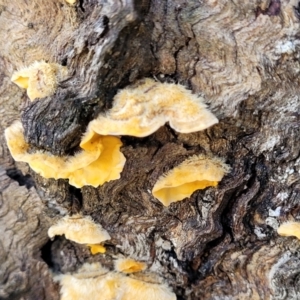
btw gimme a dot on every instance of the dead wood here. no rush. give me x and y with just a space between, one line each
221 243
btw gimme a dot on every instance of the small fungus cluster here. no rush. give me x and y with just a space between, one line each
40 79
94 282
137 111
82 230
99 161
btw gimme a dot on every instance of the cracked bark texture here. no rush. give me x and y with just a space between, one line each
221 243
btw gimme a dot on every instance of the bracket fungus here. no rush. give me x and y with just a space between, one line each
99 161
140 110
72 2
95 249
129 265
40 79
289 229
197 172
135 289
82 230
93 282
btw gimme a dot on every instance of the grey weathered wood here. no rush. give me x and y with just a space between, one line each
243 57
23 222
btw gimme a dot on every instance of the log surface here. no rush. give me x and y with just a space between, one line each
221 243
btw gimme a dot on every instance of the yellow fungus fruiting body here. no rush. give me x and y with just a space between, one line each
72 2
95 249
141 110
40 79
107 167
21 81
289 229
88 270
197 172
135 289
93 282
129 265
99 161
79 229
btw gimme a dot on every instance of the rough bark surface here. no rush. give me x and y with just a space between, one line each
221 243
23 219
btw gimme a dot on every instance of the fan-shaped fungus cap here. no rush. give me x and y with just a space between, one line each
72 2
88 270
135 289
79 229
94 282
289 229
197 172
99 162
129 265
107 167
40 79
91 282
141 110
95 249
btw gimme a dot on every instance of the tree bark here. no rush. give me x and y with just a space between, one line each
221 243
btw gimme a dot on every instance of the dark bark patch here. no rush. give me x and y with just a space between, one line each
273 9
17 175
